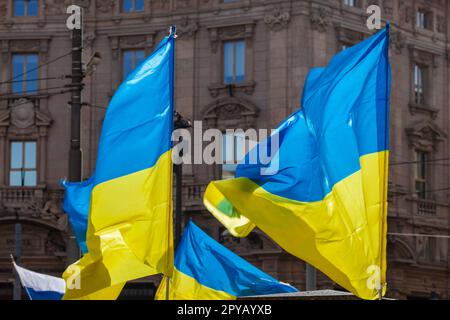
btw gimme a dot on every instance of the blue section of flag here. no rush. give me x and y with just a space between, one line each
43 295
40 286
321 144
76 204
214 266
149 79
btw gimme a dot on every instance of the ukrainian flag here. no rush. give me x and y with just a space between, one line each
129 233
206 270
322 197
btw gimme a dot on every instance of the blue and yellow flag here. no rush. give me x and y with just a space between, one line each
129 233
326 200
206 270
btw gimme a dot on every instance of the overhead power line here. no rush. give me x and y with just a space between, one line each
413 162
41 65
418 235
63 77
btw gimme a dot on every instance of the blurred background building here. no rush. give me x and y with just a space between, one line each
239 64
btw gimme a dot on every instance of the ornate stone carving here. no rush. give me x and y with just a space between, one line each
246 87
89 38
22 113
319 19
106 6
441 24
54 243
278 20
187 29
425 135
388 7
398 41
224 33
231 110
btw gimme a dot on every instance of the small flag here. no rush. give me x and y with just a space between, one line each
40 286
206 270
325 197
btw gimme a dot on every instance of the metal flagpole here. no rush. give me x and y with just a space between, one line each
386 169
172 33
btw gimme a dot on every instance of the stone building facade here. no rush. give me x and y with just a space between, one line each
239 64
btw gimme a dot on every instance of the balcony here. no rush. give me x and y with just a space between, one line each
429 210
32 203
193 196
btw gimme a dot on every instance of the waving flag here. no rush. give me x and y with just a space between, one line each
40 286
326 203
206 270
76 204
129 233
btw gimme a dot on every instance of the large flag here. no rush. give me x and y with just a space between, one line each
129 233
322 197
206 270
40 286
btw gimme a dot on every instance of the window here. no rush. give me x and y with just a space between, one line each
25 8
423 19
132 6
421 174
234 148
25 73
23 164
234 61
132 59
351 3
345 46
419 77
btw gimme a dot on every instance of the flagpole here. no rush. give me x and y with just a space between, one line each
173 34
385 163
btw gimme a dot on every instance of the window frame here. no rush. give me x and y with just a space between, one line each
23 168
25 73
421 70
421 173
135 64
426 19
234 43
133 7
25 9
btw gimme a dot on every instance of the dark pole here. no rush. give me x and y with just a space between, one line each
73 252
18 254
311 281
179 123
178 170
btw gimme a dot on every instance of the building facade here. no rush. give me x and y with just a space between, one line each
239 64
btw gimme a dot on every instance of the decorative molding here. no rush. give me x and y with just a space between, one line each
425 135
186 29
230 32
224 111
320 19
277 20
348 36
22 113
106 6
247 87
423 109
397 41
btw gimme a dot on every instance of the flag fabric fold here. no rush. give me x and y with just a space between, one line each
206 270
129 222
40 286
326 203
